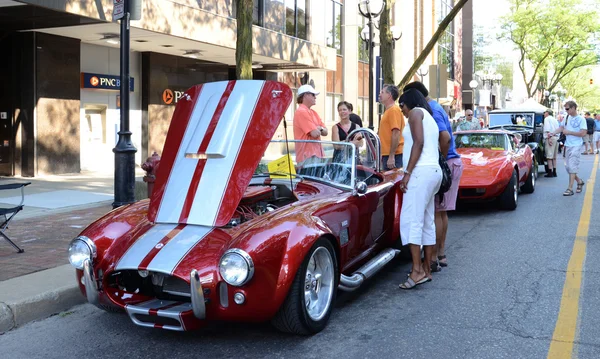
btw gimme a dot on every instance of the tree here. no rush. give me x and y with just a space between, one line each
386 47
243 45
552 41
578 86
481 42
434 39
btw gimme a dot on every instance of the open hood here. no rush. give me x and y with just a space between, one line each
216 139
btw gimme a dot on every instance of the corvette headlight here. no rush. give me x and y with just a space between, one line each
236 267
80 249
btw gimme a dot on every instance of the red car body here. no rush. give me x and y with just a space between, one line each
488 172
218 134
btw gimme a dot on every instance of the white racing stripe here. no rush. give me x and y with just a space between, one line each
176 249
183 168
227 140
138 251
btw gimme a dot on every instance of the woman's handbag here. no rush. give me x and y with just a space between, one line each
446 175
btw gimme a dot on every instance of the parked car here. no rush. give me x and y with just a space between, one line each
235 229
528 122
496 166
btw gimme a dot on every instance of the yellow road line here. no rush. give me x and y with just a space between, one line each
561 346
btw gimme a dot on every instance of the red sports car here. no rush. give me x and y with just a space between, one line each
496 166
235 229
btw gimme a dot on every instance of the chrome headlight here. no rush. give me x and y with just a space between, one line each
236 267
80 249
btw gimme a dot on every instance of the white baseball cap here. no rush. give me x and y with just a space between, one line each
307 88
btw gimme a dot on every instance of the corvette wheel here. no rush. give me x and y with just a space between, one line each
529 185
508 198
308 305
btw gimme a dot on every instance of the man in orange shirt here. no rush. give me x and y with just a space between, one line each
390 128
308 125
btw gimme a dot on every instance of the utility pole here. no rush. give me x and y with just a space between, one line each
125 150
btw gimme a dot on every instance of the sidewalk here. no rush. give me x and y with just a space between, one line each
41 282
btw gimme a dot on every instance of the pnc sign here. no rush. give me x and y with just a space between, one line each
171 97
103 82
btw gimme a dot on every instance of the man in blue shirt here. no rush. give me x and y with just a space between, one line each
447 202
597 132
574 128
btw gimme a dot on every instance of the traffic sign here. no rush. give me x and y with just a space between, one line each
118 9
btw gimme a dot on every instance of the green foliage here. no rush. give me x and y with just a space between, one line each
578 86
552 41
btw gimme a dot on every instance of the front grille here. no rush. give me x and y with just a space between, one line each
176 286
158 285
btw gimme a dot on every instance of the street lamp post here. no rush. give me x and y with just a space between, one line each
370 9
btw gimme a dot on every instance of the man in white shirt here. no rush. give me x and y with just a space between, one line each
550 142
574 128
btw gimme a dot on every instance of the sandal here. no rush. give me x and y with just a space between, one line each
579 186
568 192
435 267
440 259
410 283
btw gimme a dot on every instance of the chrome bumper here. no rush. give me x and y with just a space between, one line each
198 304
89 280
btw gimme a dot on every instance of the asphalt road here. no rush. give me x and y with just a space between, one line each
499 298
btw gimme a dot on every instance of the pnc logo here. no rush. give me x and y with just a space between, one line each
94 81
168 97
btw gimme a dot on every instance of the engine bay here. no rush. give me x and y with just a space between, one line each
260 199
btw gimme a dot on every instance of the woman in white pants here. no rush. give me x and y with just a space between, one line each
421 182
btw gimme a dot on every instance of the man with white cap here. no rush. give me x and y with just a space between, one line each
308 125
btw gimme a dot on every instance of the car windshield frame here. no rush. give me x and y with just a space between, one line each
508 119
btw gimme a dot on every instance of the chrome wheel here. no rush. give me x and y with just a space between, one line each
319 284
516 190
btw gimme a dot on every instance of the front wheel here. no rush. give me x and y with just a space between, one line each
307 308
529 185
508 198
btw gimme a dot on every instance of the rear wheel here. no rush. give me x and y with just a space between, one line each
508 198
307 308
529 185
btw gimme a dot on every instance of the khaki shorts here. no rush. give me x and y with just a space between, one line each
572 158
551 149
586 138
448 202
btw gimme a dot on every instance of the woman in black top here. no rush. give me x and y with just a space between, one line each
340 131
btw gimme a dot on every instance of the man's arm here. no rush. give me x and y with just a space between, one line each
445 142
395 142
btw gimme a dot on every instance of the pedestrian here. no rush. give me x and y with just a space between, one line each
597 132
550 142
420 183
446 202
589 136
391 128
308 126
574 128
472 121
340 131
354 117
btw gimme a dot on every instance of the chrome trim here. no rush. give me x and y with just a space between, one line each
89 280
248 260
197 294
353 282
376 137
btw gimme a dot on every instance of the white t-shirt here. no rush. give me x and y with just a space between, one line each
550 125
431 134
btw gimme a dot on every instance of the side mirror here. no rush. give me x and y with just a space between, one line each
360 188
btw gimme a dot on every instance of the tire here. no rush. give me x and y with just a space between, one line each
508 199
294 316
529 186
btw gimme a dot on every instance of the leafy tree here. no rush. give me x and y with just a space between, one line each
551 40
243 46
481 43
434 39
386 47
578 86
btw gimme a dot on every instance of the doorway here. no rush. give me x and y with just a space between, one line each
96 151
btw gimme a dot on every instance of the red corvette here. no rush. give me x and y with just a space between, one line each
235 229
496 166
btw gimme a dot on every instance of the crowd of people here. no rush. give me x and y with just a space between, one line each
414 132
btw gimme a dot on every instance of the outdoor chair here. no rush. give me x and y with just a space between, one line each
11 212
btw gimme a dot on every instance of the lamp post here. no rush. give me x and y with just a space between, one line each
370 9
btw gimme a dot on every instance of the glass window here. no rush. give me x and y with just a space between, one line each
446 42
333 25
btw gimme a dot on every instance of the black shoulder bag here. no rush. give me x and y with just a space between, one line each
446 174
563 138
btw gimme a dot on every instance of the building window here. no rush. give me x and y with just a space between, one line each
333 25
363 52
446 41
290 17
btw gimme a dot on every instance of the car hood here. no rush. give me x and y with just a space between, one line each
481 163
218 134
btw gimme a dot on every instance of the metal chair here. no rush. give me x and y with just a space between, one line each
11 212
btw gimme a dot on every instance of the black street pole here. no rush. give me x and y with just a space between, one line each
371 73
124 150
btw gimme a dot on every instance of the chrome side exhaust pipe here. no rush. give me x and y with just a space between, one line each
353 282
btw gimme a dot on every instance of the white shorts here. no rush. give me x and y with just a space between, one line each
417 218
596 136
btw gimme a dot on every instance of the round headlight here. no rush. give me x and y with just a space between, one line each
236 267
80 249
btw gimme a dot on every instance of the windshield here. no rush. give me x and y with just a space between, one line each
492 141
330 162
521 119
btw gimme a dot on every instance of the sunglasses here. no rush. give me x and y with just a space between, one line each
470 115
567 108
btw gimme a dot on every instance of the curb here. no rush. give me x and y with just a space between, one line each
37 296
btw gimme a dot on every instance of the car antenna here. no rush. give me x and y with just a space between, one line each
287 145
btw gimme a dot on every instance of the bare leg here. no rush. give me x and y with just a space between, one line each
441 239
426 261
572 177
417 272
438 234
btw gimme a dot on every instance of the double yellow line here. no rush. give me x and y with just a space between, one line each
565 331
